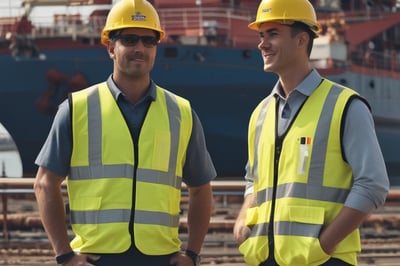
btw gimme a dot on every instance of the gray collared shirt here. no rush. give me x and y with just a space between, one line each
360 144
288 107
56 151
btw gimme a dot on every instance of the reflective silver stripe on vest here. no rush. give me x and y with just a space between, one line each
94 128
93 172
101 217
259 230
305 191
158 177
286 228
123 216
259 125
314 189
315 177
97 170
297 229
174 116
159 218
264 195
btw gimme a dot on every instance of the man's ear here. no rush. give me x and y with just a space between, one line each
110 49
303 39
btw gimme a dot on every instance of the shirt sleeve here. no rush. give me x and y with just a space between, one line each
199 168
364 155
56 151
249 181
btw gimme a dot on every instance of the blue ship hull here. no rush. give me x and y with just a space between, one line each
222 93
223 85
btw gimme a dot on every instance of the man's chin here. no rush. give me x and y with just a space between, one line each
268 69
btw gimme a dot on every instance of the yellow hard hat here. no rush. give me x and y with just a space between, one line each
286 12
131 14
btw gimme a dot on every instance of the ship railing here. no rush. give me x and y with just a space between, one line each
354 16
199 21
388 60
208 22
381 65
200 18
362 16
68 27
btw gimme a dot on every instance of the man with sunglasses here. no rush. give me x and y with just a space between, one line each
124 147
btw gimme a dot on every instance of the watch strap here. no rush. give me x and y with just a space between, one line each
63 258
194 256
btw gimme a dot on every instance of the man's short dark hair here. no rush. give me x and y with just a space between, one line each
298 27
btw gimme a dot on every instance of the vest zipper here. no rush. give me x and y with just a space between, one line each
135 167
278 148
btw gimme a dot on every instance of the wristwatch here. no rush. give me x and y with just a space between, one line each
63 258
194 256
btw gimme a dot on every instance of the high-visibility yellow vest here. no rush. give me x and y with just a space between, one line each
101 186
313 180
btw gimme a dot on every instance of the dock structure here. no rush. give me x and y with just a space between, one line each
380 233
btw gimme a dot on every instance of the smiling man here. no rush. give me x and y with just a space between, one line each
315 169
124 147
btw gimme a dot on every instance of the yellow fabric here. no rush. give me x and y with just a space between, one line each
296 249
160 197
102 193
80 136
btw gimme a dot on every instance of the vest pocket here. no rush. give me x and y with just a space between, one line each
255 248
296 240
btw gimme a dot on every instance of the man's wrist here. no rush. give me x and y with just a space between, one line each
63 258
194 256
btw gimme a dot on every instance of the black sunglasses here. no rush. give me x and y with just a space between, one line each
133 39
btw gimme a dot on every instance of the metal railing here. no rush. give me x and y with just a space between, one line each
24 186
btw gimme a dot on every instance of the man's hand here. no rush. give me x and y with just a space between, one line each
180 259
241 232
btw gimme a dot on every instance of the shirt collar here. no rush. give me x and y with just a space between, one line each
306 87
116 92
